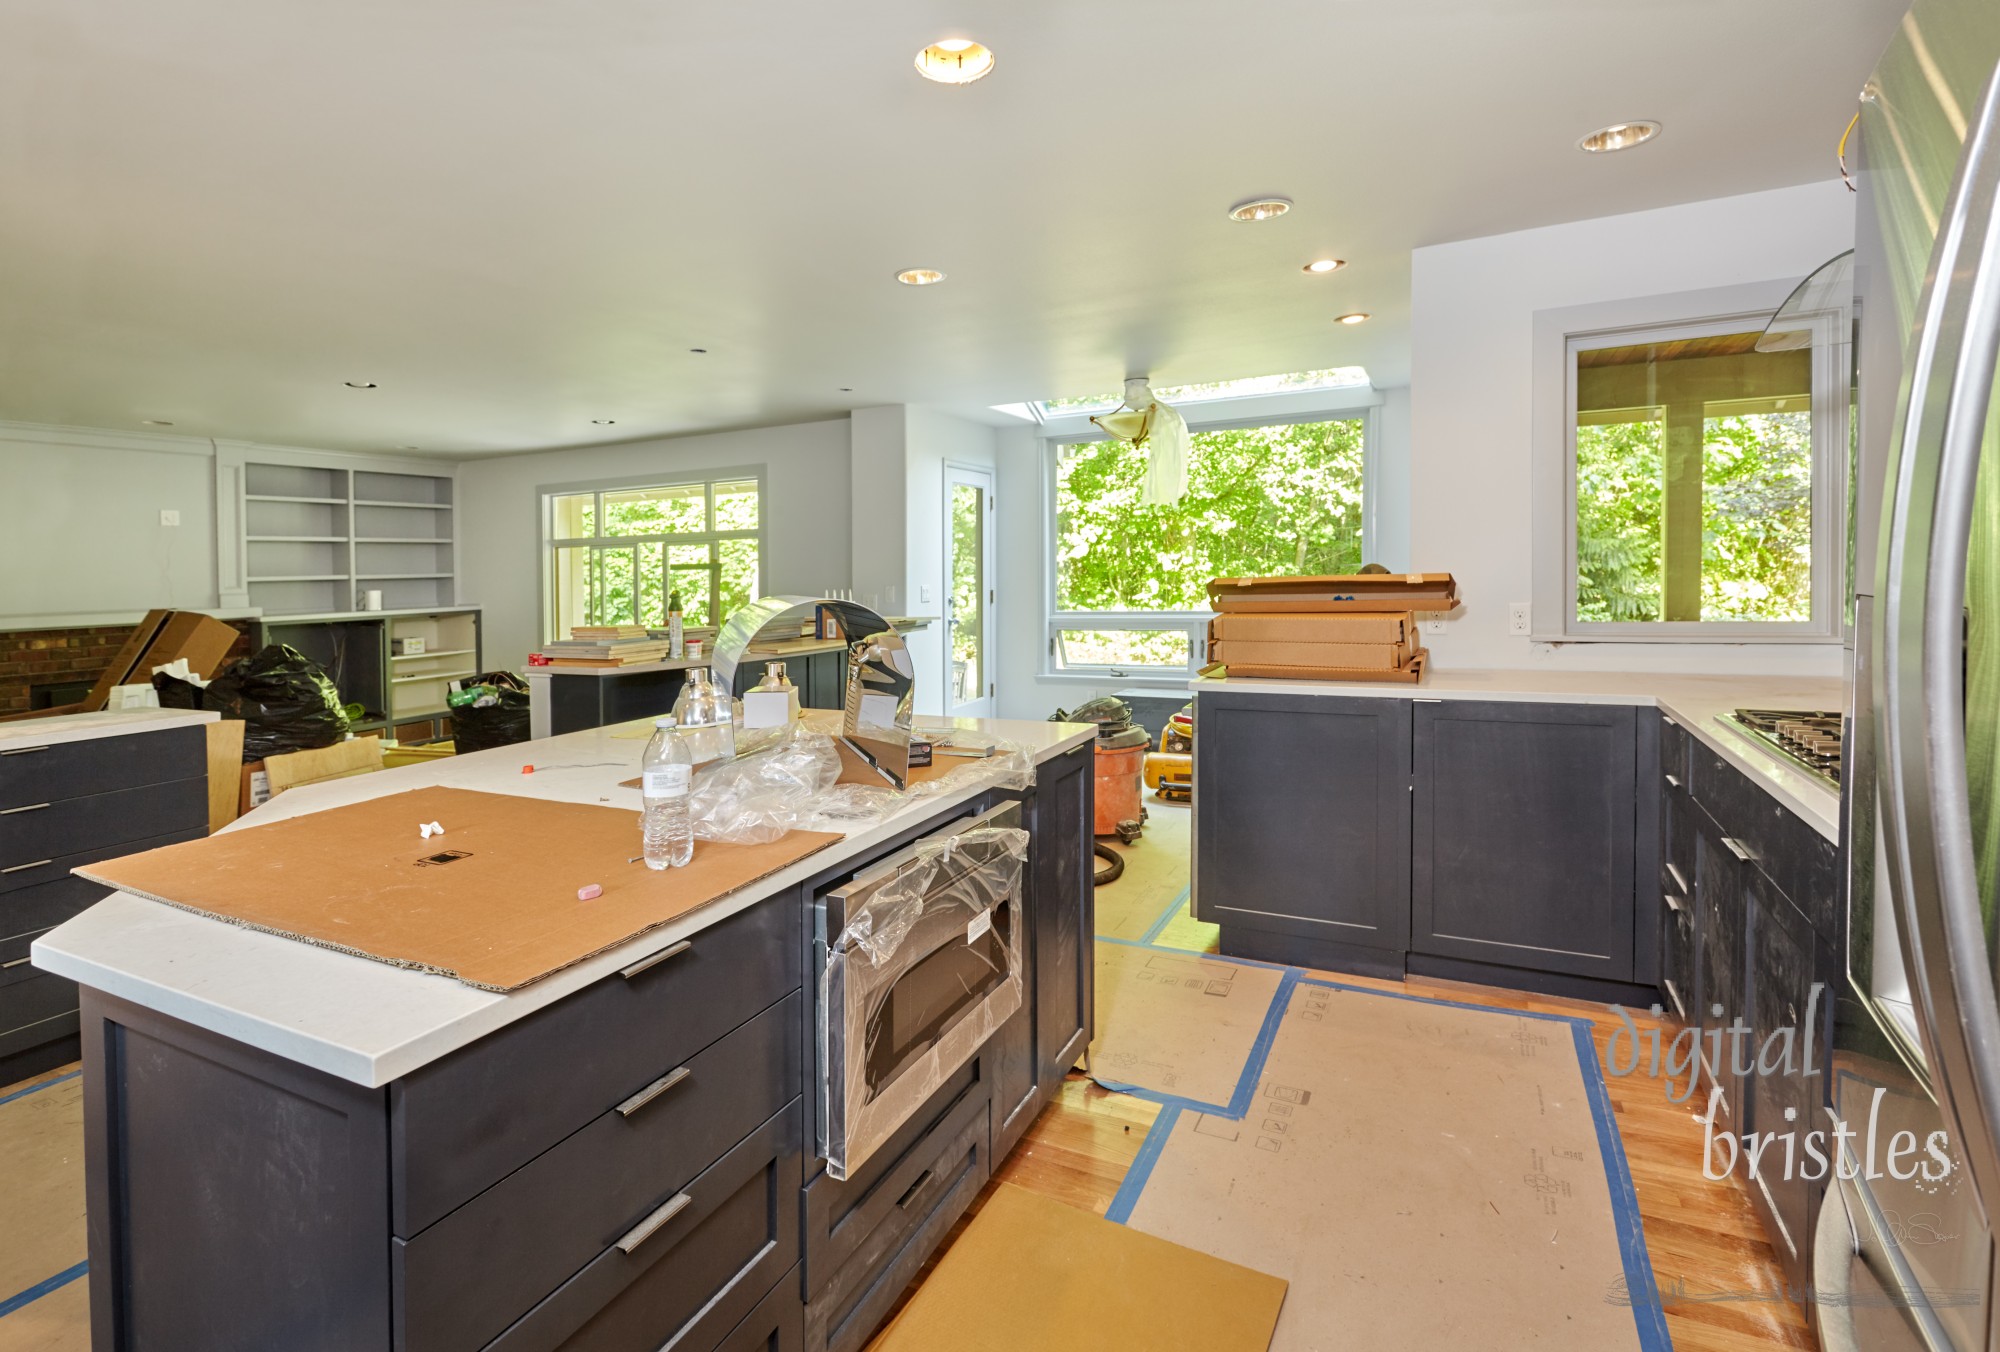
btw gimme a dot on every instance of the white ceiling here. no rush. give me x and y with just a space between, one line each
517 217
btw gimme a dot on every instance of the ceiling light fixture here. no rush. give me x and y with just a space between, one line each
954 61
699 351
919 276
605 422
1358 317
359 384
1326 265
1260 209
1619 136
157 422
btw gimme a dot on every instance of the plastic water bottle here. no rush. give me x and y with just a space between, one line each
666 780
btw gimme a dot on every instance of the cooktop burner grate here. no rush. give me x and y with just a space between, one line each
1809 738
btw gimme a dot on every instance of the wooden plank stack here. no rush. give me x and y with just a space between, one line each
1352 627
605 645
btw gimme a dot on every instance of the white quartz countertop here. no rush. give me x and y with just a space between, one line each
87 727
1696 702
367 1021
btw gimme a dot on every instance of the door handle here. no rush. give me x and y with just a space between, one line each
1737 848
15 963
23 868
22 750
650 1226
1919 710
911 1191
653 1091
32 807
647 964
1673 781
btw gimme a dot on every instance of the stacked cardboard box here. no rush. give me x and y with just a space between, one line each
1361 627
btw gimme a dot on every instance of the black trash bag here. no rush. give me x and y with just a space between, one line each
489 711
175 693
286 699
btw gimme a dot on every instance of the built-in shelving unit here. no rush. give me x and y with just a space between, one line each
316 537
401 693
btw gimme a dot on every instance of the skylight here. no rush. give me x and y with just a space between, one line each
1339 377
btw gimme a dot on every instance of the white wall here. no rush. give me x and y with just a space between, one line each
806 514
80 530
1471 321
1388 490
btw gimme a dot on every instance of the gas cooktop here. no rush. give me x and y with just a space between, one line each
1810 739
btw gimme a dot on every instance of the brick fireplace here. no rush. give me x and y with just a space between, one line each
41 668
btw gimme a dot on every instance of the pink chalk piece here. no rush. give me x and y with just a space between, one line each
590 893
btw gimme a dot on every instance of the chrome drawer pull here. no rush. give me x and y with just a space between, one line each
1679 881
1673 781
1673 902
32 807
1737 848
15 963
646 964
911 1191
22 750
23 868
653 1091
645 1229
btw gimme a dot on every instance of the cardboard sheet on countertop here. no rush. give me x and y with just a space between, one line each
1183 1024
492 902
1424 1174
1029 1272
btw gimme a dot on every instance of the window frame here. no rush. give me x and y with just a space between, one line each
1559 334
706 480
1332 404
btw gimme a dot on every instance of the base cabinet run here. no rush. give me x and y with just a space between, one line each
631 1168
1384 834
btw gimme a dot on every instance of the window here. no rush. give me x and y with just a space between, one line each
617 555
1698 488
1335 378
1130 582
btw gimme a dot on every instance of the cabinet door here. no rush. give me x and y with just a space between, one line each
1064 898
1525 829
1781 965
1722 928
1302 812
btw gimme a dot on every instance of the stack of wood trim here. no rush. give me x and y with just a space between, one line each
1359 627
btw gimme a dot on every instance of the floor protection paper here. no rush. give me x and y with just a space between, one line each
1179 1027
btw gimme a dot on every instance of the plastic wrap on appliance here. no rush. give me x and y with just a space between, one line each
959 889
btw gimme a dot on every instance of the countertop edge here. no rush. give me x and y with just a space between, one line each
61 730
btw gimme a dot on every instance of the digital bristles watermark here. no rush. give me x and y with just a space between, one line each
1786 1051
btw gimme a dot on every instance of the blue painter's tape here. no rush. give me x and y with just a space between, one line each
37 1088
1167 916
1649 1317
1196 953
42 1288
1142 1166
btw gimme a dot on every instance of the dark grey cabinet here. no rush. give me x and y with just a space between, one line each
1524 833
1302 828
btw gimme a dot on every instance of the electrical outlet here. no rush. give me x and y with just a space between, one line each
1517 619
1433 626
170 516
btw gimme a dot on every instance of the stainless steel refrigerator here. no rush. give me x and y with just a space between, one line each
1909 1262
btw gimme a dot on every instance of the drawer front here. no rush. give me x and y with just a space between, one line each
776 1325
920 1214
692 1280
463 1123
44 774
27 913
842 1215
1674 742
549 1218
1803 863
1678 966
33 873
43 829
1679 815
38 1008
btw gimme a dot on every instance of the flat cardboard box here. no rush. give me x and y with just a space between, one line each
1431 593
1408 675
1031 1274
1251 644
357 756
1391 626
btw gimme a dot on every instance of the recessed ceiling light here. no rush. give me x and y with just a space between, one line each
409 448
955 61
1356 318
157 422
359 384
1326 265
698 351
919 276
605 422
847 389
1260 209
1619 136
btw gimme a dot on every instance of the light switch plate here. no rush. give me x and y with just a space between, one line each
1518 619
170 516
924 593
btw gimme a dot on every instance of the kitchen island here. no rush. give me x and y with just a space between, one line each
289 1147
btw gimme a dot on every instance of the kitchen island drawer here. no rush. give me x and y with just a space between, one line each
1803 863
37 1008
31 874
28 912
459 1125
549 1218
43 828
689 1270
44 774
776 1325
906 1218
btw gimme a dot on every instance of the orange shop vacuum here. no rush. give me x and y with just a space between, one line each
1121 764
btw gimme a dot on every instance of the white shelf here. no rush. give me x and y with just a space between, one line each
304 577
296 539
420 506
431 676
398 577
283 497
412 715
442 652
400 540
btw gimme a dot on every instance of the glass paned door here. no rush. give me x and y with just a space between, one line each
969 593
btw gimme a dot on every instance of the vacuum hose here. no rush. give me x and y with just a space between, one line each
1109 873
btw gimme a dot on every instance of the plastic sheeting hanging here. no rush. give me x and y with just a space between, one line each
1160 431
925 970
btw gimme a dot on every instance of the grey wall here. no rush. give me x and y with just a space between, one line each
806 514
80 530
